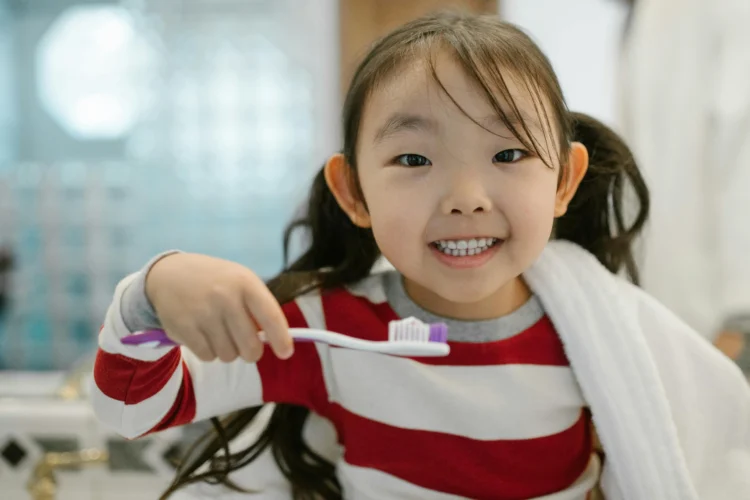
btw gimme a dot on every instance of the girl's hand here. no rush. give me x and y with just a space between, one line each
216 308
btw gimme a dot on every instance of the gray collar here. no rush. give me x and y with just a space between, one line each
459 330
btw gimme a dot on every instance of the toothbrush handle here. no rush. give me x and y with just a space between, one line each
148 336
160 336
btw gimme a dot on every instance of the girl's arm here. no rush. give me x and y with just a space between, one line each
138 390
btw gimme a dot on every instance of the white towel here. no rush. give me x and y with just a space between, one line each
672 413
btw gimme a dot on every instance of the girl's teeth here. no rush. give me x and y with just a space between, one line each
462 248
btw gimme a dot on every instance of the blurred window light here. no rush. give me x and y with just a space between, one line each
90 67
245 108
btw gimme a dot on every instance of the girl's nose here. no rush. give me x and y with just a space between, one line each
465 196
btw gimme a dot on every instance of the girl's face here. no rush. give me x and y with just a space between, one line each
460 211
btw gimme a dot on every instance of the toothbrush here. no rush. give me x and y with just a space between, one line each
406 337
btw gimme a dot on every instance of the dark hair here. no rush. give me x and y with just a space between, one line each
341 253
6 265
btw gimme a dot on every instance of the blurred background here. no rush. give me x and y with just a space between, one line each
135 126
131 127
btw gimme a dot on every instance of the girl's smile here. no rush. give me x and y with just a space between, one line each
464 253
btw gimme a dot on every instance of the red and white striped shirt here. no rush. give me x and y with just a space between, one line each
497 418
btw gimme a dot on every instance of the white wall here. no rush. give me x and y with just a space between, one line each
582 39
317 27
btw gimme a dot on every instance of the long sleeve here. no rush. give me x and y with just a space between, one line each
138 390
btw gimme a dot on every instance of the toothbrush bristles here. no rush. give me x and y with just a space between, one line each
414 330
438 332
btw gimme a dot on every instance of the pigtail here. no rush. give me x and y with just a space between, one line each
612 193
6 265
339 251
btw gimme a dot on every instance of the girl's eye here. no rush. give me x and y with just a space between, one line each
412 160
510 156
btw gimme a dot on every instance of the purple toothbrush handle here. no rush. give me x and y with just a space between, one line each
149 336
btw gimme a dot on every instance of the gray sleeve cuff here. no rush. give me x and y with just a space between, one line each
137 312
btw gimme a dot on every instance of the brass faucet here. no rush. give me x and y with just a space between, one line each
43 485
72 386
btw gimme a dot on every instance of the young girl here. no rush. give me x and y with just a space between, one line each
460 163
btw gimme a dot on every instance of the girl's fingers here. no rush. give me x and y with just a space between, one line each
244 333
197 343
270 318
220 340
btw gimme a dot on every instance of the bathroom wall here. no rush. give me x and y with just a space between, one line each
582 39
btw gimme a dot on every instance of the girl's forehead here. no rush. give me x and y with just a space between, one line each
419 82
445 91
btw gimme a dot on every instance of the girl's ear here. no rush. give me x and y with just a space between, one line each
572 175
340 181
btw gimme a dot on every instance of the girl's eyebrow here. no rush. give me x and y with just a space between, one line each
399 122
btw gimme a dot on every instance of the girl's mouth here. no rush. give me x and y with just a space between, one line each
465 247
